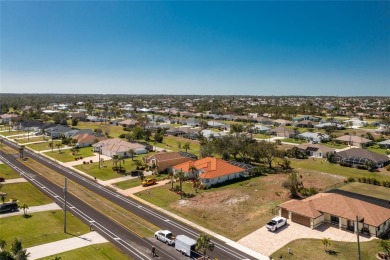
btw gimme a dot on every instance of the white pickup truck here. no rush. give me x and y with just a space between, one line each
165 236
276 223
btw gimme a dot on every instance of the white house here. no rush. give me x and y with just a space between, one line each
116 146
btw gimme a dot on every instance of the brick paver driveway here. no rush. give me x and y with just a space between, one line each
266 242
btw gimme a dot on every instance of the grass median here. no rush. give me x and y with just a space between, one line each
130 221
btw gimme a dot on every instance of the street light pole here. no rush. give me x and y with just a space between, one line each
65 204
357 233
100 151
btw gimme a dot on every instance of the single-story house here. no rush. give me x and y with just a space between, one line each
282 122
30 125
313 137
355 123
305 123
329 125
116 146
340 211
306 117
385 144
128 123
210 170
261 129
316 150
166 160
359 156
215 124
209 133
57 131
354 140
87 139
192 122
285 132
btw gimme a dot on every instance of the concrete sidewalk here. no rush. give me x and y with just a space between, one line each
18 180
65 245
46 207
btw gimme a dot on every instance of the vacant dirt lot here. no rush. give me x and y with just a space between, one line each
238 209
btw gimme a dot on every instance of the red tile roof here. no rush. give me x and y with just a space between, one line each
210 167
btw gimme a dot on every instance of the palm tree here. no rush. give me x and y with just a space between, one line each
187 146
132 152
171 173
59 145
16 246
180 175
203 243
3 243
118 159
385 244
326 242
3 196
194 170
25 208
22 254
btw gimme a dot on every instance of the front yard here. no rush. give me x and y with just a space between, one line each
244 206
66 155
44 146
172 143
314 249
25 193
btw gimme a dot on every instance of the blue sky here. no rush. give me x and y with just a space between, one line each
227 48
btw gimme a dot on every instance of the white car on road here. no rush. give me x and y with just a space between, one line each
276 223
165 236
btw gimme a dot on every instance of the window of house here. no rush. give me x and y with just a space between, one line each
334 220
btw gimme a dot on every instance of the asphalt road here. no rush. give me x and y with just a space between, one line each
221 251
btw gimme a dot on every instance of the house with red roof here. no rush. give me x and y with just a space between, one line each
210 170
342 211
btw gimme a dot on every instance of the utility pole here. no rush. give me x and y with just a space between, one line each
357 233
65 193
100 151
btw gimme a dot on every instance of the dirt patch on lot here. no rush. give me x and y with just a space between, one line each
239 209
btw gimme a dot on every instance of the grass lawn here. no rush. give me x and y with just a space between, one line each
12 133
7 173
171 143
103 251
320 165
261 136
244 206
313 249
24 139
26 193
124 185
335 145
114 130
40 228
378 150
132 222
294 141
43 146
368 190
105 172
67 156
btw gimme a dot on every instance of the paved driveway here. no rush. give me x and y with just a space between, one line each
266 242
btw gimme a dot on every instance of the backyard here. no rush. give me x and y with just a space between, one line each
67 155
243 206
368 190
113 130
172 143
321 165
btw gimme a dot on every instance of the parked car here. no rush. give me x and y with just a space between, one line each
10 206
149 181
165 236
276 223
2 179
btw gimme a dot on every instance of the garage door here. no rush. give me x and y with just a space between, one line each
285 213
300 219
